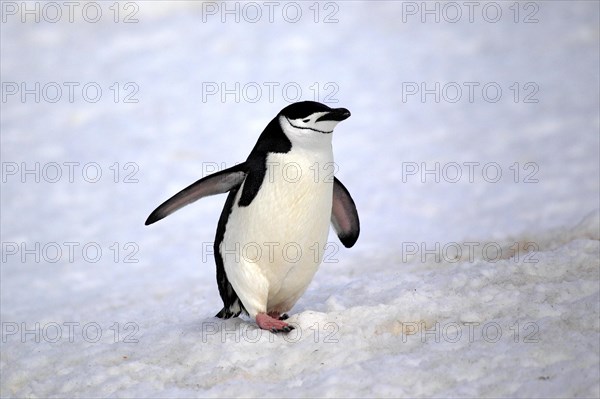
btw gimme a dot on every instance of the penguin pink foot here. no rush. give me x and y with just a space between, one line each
267 322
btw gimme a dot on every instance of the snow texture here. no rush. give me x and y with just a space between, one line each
461 287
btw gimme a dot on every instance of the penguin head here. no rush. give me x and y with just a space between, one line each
310 121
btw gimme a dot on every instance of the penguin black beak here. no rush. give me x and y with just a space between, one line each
336 114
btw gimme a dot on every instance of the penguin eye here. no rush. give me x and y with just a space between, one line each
306 120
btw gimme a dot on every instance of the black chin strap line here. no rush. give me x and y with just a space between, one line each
308 128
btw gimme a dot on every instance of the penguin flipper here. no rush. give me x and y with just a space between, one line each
217 183
344 216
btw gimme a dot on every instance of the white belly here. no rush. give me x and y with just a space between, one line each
273 247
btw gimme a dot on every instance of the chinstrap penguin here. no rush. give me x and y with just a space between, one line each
273 228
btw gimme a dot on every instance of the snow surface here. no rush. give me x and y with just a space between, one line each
384 320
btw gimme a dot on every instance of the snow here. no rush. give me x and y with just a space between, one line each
512 266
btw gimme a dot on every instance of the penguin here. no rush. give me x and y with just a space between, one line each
274 225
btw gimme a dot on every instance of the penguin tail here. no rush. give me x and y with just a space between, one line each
223 314
233 310
227 313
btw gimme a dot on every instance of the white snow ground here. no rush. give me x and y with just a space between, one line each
401 313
